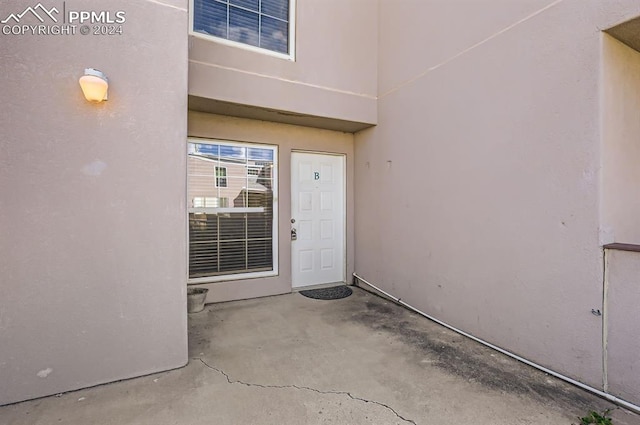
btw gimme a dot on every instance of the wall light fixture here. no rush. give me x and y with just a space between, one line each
95 85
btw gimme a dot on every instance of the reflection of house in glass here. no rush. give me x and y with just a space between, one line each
230 201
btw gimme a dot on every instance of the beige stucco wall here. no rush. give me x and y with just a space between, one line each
92 217
620 212
482 177
621 143
334 73
288 138
623 316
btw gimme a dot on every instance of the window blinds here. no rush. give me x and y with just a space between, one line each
260 23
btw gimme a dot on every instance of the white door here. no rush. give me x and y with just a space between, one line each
317 218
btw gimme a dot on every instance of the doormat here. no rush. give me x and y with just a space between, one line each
334 293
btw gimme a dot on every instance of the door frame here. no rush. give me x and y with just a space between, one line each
344 211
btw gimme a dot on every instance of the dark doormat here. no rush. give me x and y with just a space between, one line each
334 293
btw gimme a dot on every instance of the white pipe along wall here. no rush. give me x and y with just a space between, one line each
579 384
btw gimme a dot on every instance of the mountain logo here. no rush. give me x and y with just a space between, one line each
39 11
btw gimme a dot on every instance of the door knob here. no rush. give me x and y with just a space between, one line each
294 234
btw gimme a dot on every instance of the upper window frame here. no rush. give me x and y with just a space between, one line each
292 36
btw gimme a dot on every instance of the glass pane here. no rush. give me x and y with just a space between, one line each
210 17
202 149
249 4
234 168
243 26
260 198
203 246
201 174
235 153
233 256
253 170
260 255
235 191
277 8
238 199
260 154
203 227
259 225
275 35
232 226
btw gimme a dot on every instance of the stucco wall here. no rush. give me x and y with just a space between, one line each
621 143
92 217
620 212
334 73
482 177
623 316
287 138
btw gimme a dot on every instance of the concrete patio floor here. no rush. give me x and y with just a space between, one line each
294 360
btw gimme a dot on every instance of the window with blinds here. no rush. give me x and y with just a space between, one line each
231 204
260 23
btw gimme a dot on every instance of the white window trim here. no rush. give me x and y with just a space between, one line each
274 238
292 36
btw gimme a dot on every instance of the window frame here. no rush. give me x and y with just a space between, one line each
292 36
275 232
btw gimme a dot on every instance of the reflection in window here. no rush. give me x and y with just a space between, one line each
260 23
221 176
231 208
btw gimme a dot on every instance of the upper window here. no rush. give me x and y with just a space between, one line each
260 23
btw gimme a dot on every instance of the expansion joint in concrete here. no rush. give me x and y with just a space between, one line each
303 388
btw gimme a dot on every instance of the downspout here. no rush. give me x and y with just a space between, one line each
609 397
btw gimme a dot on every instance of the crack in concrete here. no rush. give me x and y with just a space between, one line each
303 388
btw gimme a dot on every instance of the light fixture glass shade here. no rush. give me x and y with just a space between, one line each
94 85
